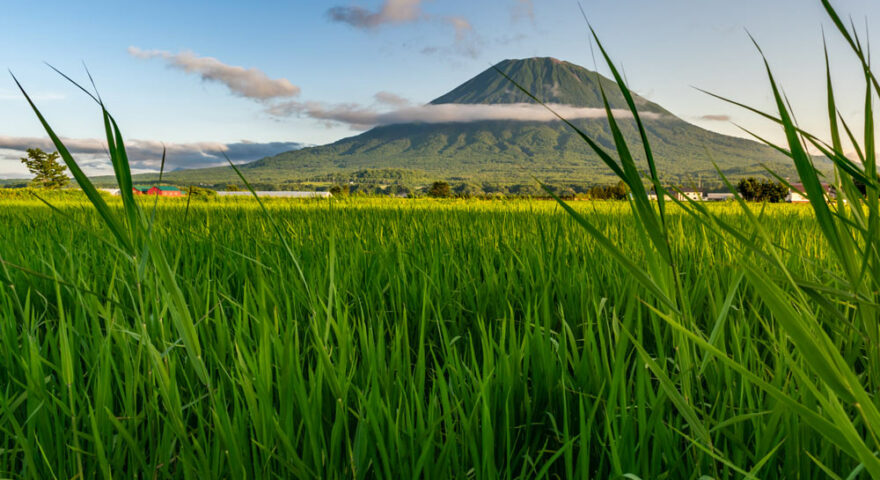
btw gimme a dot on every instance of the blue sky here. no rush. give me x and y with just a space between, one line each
320 58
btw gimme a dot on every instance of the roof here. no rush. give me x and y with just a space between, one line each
283 194
800 186
164 188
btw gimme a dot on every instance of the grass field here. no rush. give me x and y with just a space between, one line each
435 339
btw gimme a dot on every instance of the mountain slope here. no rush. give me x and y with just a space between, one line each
506 152
548 79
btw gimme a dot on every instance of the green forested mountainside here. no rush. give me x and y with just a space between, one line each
548 79
509 152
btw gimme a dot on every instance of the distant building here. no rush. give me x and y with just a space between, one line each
159 190
686 194
796 194
718 197
278 194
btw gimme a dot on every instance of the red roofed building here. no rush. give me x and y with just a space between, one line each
797 194
162 191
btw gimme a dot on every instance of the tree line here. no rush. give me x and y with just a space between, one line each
50 174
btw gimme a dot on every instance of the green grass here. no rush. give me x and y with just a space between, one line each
432 338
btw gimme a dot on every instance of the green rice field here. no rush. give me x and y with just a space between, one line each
401 339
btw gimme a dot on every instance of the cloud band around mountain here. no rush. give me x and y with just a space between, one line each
244 82
716 118
362 118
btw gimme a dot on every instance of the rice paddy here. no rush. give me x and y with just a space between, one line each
421 338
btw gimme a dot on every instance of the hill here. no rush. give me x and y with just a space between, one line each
510 151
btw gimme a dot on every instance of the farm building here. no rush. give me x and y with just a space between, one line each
796 194
671 193
278 194
718 197
685 194
160 190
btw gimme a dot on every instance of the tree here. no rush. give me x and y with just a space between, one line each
339 190
201 193
748 188
608 192
754 190
773 192
232 188
439 190
48 173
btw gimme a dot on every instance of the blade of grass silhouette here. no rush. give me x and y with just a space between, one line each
85 184
121 167
627 95
807 174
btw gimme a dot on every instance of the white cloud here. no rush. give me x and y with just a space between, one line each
361 118
245 82
144 155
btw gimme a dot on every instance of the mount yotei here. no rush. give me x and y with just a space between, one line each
493 147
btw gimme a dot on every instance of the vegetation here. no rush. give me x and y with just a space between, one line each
48 172
459 320
440 190
760 190
608 192
337 190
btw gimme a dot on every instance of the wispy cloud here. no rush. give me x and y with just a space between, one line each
245 82
396 12
716 118
392 99
391 12
524 9
146 155
359 117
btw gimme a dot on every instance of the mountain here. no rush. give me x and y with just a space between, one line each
512 151
553 81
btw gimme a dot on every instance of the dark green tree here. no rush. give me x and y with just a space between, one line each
201 193
755 190
773 192
440 190
748 188
339 190
48 173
